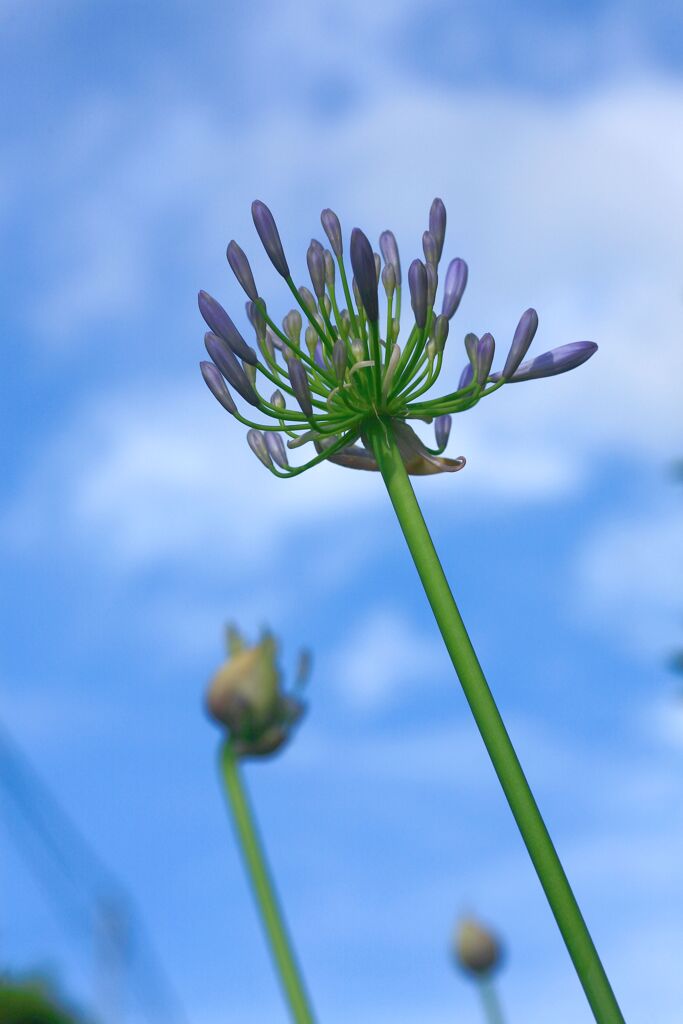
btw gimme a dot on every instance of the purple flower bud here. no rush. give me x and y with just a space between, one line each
332 228
437 225
389 248
256 442
318 356
440 331
429 247
558 360
278 400
300 387
432 284
418 284
485 350
329 269
276 448
363 263
466 377
241 269
225 360
264 223
456 281
378 265
316 267
257 320
524 335
220 323
389 279
339 358
216 385
442 430
471 343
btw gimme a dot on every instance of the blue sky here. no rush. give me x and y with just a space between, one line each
134 521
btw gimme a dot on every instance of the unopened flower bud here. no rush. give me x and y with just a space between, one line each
429 247
300 386
276 449
311 337
440 331
308 300
216 385
523 336
246 697
454 286
432 283
230 367
357 350
442 430
220 323
242 270
257 444
257 320
476 949
278 400
316 267
363 263
291 325
389 279
437 225
339 359
389 249
264 223
329 268
332 228
417 282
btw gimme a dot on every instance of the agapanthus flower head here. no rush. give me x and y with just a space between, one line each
246 696
339 364
475 947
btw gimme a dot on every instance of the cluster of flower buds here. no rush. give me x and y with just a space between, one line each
341 361
246 697
475 948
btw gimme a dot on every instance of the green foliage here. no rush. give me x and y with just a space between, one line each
31 1003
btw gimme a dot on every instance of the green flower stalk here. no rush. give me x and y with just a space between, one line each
478 953
246 699
355 386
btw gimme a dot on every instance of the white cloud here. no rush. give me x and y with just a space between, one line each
383 654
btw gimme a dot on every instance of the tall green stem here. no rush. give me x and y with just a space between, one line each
491 1002
501 751
263 890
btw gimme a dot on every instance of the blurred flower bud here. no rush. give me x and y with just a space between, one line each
246 697
476 949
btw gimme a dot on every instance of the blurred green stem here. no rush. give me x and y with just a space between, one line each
491 1002
501 751
263 889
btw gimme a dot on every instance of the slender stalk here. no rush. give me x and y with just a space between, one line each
501 751
263 890
491 1003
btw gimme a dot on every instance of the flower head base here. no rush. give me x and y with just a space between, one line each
476 949
245 696
349 370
